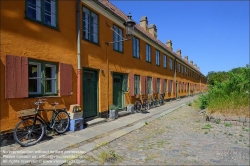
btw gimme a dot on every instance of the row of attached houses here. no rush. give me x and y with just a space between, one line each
58 50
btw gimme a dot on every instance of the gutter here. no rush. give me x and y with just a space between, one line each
78 53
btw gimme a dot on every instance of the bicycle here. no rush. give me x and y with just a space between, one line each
145 104
156 101
31 129
138 104
161 100
151 102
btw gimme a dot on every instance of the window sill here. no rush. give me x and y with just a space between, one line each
41 23
97 44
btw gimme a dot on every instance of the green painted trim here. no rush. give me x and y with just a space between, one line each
43 63
91 30
121 41
42 15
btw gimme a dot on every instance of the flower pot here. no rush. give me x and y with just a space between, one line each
113 114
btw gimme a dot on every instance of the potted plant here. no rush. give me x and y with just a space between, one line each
113 112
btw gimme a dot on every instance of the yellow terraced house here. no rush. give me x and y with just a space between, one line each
58 50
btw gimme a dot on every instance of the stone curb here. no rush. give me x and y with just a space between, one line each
239 121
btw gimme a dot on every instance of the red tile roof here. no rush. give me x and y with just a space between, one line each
138 27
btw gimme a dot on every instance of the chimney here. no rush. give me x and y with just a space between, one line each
198 68
153 30
191 62
169 44
178 52
186 58
195 66
144 23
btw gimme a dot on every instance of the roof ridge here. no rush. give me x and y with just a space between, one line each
118 12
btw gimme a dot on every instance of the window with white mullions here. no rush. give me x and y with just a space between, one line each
90 25
34 78
157 55
42 78
148 53
50 78
137 84
44 11
149 84
158 85
164 61
117 36
136 47
170 64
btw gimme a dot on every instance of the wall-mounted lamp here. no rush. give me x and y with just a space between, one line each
129 25
111 72
102 70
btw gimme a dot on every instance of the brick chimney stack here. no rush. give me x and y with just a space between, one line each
191 62
178 52
169 44
144 23
186 58
153 30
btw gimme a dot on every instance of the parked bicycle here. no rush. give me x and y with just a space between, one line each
31 129
138 104
156 101
145 103
161 100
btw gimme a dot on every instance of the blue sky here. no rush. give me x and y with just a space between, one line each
214 34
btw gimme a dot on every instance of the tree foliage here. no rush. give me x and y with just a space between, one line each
227 90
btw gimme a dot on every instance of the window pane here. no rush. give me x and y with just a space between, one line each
33 85
50 78
86 23
34 9
32 71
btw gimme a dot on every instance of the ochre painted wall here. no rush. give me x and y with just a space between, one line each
22 37
102 57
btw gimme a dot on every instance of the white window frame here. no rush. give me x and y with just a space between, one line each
41 11
157 56
170 64
148 53
54 79
90 25
117 46
38 78
165 61
136 47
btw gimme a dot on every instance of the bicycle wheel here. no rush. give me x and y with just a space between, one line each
61 121
26 134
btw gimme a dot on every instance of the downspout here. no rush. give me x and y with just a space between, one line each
175 77
78 54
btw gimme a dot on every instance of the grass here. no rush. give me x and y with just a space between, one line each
207 126
110 157
217 121
228 124
245 129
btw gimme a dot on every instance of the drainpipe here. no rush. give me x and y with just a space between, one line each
175 77
78 54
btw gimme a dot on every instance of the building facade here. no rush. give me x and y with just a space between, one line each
59 50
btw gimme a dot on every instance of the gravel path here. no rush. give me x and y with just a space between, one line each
182 137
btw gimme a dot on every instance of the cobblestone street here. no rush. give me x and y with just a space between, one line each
178 138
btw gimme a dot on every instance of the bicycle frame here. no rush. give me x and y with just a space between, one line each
37 116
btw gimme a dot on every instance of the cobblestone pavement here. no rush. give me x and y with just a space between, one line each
182 137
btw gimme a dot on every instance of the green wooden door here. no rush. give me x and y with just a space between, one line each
89 93
117 91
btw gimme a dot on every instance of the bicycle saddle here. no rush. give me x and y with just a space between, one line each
54 104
